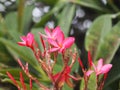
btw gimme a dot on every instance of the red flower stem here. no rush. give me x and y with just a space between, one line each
45 68
102 83
97 82
85 79
25 69
14 81
55 59
22 81
37 81
30 84
89 59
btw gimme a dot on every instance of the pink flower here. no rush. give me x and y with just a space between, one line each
63 77
89 72
52 34
61 43
100 68
27 40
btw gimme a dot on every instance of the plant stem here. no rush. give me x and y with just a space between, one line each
20 14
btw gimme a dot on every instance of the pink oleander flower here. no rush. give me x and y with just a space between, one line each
63 77
52 34
27 40
61 43
100 68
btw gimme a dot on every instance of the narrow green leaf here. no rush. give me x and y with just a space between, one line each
11 21
5 56
94 36
14 71
27 17
2 26
23 52
66 18
49 2
95 4
36 31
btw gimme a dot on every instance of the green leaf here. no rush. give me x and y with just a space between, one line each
109 44
95 35
66 17
49 2
27 17
11 21
36 31
2 26
95 4
66 87
23 52
92 82
5 56
14 71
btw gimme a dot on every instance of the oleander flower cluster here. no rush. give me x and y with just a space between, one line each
54 43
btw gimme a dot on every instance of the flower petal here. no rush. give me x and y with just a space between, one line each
30 39
89 72
53 42
56 32
68 42
22 43
42 35
23 38
55 77
100 64
47 31
106 68
53 49
67 70
60 37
